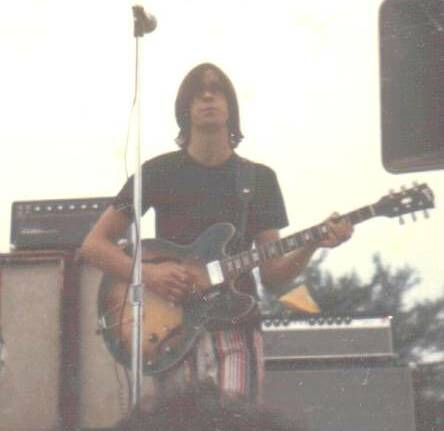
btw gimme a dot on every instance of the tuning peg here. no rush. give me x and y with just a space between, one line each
413 216
426 214
415 184
401 220
403 189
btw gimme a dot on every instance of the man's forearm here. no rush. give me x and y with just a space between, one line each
286 268
108 257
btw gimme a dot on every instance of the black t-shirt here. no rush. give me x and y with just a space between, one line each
189 197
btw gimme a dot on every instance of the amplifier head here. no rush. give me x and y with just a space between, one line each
55 223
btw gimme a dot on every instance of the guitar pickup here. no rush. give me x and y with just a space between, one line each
215 273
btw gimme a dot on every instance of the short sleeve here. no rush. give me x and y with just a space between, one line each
123 201
268 205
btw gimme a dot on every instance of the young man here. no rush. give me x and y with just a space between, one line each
190 190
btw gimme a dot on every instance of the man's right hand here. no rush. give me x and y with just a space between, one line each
170 280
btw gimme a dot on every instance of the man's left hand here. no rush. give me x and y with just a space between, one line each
339 230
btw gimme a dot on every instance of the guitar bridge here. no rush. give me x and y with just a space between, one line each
211 295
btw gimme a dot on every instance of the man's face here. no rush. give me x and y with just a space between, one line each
209 106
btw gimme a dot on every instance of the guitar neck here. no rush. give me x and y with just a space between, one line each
235 265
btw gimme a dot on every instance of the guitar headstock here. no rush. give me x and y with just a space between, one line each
407 201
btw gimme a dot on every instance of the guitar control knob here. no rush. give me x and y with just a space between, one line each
321 321
153 338
330 320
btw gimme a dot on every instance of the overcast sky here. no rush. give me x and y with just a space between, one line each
307 77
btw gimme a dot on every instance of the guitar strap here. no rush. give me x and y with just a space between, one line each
245 187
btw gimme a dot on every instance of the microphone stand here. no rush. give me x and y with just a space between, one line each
142 24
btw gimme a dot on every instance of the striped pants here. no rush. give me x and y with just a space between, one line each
231 358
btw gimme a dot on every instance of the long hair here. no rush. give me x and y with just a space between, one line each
189 88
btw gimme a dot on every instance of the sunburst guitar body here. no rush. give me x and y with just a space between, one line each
169 330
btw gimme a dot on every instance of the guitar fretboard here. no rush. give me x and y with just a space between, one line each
235 265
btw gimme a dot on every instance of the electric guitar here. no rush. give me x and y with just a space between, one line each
169 330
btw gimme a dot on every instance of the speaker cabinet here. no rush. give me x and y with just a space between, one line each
343 399
31 290
103 386
55 369
412 84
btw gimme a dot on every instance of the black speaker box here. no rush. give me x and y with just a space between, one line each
373 398
412 84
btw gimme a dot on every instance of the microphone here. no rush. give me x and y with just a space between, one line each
143 22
